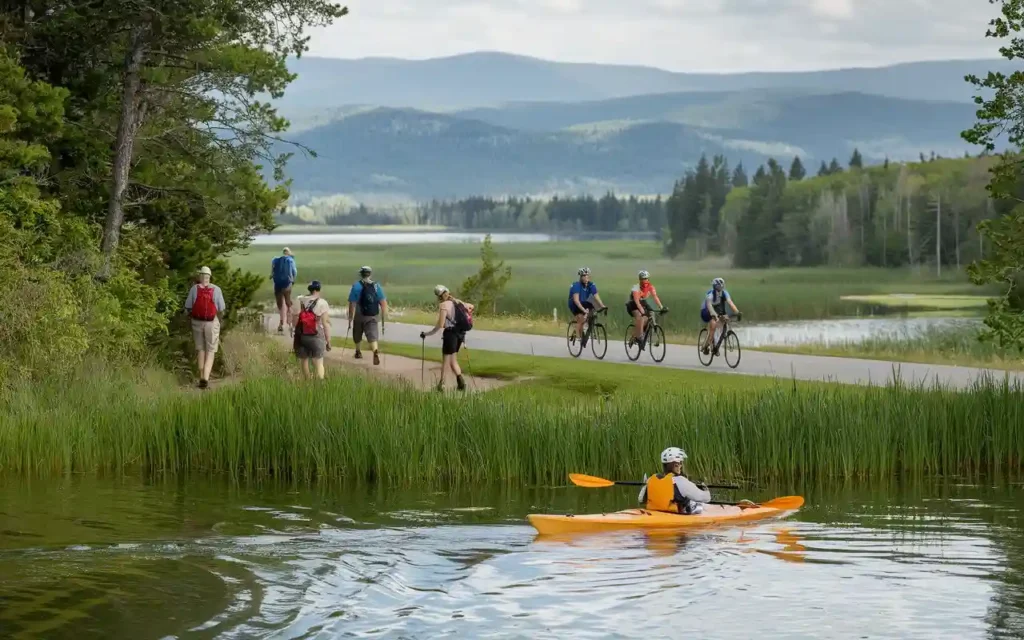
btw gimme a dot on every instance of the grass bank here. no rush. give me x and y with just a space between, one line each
543 272
599 419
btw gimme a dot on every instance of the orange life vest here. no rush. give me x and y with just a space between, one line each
661 493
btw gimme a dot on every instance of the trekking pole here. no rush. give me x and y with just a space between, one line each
423 362
347 329
469 364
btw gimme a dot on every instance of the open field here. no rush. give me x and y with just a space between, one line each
542 273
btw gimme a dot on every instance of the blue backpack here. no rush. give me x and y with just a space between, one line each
282 268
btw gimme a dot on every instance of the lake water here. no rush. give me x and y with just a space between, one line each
352 238
83 558
843 330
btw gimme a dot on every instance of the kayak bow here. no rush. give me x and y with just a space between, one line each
550 524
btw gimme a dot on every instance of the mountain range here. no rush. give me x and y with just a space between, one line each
498 124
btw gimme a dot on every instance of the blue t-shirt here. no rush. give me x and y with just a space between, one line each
585 291
717 300
283 268
357 290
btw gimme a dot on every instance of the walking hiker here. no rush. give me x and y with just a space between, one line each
283 272
366 303
205 305
312 330
455 317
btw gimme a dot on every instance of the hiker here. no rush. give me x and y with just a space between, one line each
455 317
366 302
205 305
312 330
283 272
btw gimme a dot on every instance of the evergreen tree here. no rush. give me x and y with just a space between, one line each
796 170
834 167
823 170
856 161
739 177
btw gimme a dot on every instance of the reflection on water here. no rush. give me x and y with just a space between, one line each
842 331
363 237
134 560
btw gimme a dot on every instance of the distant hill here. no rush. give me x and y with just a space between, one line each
637 145
492 79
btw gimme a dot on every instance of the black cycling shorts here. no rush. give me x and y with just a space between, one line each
589 306
631 307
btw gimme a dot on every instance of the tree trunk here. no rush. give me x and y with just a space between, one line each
124 144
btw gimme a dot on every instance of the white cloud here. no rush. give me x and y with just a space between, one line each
682 35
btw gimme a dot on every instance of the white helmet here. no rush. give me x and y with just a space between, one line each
672 454
585 271
718 282
365 270
643 275
440 290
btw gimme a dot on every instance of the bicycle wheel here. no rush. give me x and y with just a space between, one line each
632 352
573 341
732 350
599 341
656 343
705 358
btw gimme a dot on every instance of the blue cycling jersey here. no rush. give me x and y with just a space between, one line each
585 292
717 300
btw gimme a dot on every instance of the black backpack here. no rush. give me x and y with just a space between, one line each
463 318
369 305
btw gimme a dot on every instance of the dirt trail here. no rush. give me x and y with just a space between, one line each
409 370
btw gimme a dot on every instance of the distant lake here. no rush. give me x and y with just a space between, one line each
375 237
844 330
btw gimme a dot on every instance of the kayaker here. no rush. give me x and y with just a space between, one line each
672 491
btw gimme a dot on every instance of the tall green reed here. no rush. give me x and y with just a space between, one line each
356 429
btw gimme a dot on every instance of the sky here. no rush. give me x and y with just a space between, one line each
679 35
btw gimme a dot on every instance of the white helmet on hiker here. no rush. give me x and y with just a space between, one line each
672 454
365 270
585 271
718 282
643 275
440 290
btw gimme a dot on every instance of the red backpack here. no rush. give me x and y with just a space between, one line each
204 308
307 320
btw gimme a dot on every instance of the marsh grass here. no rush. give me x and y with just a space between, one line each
355 429
543 272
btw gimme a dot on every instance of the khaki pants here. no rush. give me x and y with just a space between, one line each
206 334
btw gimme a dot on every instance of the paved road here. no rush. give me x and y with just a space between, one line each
761 363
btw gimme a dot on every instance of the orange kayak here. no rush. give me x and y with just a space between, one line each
643 519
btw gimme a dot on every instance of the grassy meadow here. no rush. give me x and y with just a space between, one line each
608 419
543 272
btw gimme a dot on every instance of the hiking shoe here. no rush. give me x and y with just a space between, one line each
280 328
376 358
203 384
460 383
440 387
359 355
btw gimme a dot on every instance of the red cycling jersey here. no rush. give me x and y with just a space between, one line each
642 292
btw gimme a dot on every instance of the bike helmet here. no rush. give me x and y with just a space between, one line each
672 454
585 271
718 282
643 275
440 290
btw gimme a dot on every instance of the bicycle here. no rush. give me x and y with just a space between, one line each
593 331
654 336
727 337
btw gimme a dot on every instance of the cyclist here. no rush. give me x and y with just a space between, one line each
580 294
713 310
638 306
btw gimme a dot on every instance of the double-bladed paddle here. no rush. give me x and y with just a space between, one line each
593 482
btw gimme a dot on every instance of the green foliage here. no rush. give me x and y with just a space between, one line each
797 171
532 433
171 91
856 160
488 285
1000 116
